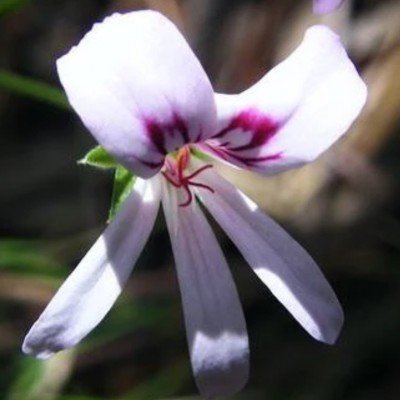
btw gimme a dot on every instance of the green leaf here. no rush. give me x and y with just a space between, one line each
32 88
11 5
41 379
28 257
123 179
30 371
123 185
99 158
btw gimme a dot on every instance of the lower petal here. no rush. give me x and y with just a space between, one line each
278 260
92 288
215 324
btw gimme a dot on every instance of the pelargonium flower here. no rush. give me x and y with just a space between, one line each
326 6
145 98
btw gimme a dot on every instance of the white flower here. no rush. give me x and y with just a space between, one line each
144 96
326 6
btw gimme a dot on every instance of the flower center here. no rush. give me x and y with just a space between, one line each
173 172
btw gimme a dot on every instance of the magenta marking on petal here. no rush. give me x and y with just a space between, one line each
156 134
153 165
228 155
254 161
168 136
260 128
179 124
150 164
199 137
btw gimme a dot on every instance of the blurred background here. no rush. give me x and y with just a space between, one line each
343 209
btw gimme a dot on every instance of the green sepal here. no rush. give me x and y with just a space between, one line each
99 158
123 185
200 155
124 180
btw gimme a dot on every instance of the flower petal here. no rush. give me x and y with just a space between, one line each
326 6
215 324
92 288
139 89
295 112
278 260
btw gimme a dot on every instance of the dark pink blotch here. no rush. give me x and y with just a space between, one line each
159 133
262 128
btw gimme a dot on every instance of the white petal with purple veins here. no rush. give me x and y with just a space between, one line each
278 260
139 89
215 324
293 114
92 288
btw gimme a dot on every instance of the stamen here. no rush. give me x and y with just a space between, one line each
200 170
201 185
174 174
189 197
170 179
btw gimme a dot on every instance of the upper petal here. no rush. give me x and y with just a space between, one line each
215 325
139 89
92 288
295 112
326 6
278 260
